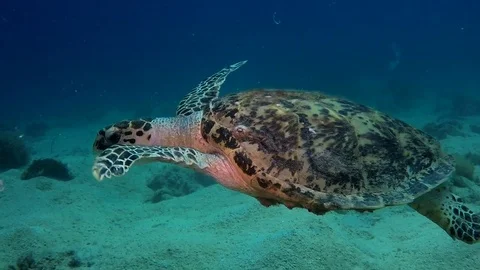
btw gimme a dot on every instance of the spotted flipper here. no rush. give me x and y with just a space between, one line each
117 159
205 92
449 212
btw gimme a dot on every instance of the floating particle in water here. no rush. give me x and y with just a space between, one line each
275 20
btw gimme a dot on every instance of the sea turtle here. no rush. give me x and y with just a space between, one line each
297 148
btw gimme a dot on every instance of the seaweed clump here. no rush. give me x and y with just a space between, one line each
13 151
60 260
47 167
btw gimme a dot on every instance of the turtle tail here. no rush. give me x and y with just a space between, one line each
449 212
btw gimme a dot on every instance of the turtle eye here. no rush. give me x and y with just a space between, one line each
240 129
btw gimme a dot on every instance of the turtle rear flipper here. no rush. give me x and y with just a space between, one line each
117 159
449 212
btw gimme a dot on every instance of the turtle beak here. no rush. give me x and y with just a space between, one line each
106 137
98 144
101 143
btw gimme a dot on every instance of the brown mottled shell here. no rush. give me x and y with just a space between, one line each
320 152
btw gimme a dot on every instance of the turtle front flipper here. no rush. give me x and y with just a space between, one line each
450 213
205 92
117 159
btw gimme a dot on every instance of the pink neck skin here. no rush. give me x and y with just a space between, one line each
179 132
186 132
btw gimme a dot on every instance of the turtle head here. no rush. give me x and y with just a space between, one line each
106 137
162 131
137 132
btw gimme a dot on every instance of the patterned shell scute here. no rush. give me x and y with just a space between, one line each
323 143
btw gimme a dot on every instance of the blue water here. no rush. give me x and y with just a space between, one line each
77 66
